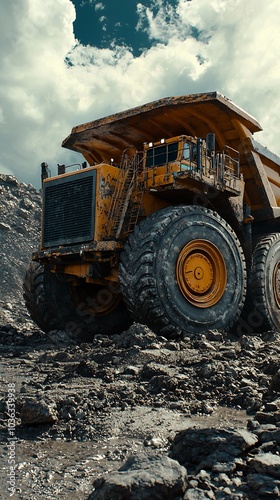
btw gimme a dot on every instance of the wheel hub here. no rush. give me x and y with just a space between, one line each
201 273
198 272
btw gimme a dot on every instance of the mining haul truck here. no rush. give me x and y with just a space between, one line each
173 221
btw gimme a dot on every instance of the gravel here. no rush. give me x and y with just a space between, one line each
112 418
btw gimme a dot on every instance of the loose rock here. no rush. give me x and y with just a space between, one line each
143 477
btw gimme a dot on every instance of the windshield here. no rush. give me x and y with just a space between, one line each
160 155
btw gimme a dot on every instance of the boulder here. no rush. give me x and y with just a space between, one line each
204 448
143 477
37 412
266 463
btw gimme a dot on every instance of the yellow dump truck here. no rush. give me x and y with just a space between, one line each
172 221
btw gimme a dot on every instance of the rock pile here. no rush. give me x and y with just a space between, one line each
139 386
202 464
140 416
20 211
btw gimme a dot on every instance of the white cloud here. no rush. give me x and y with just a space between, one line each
99 6
235 51
238 42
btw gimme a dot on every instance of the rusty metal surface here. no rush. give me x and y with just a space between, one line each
194 114
80 251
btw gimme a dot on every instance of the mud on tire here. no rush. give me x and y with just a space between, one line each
162 266
263 302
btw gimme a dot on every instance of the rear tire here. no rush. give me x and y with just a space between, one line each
83 311
263 311
183 270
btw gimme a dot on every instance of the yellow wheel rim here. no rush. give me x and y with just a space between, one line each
201 273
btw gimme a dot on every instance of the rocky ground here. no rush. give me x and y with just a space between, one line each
132 416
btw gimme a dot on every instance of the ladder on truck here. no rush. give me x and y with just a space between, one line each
126 183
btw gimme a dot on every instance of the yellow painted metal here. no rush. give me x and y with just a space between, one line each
98 247
192 115
107 176
103 141
81 269
105 182
201 273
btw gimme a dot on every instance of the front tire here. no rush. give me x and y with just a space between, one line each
183 270
83 311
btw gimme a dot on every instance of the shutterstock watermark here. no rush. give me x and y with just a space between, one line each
10 459
88 311
250 324
11 428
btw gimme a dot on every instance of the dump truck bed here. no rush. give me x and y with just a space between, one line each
196 115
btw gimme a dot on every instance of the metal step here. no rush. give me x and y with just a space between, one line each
122 194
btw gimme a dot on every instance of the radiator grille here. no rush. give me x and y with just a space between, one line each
68 215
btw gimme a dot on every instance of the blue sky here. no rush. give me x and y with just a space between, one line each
103 24
66 62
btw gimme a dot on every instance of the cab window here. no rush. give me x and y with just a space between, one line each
186 151
160 155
